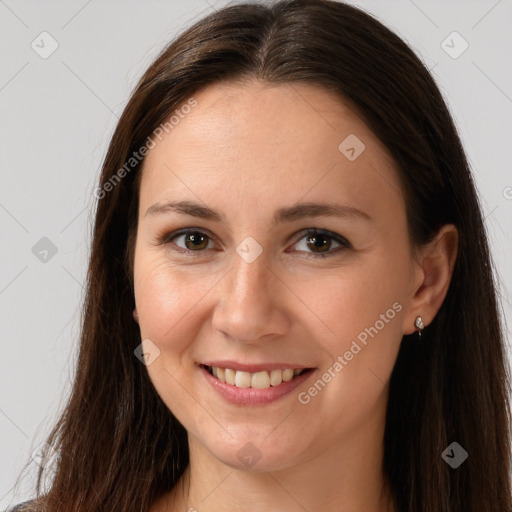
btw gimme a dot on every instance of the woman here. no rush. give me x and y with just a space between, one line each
231 356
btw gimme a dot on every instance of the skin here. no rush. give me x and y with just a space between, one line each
242 143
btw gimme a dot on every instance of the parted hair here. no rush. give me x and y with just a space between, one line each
120 448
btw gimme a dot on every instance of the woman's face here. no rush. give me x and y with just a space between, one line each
250 290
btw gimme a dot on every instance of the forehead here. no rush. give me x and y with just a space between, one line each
253 140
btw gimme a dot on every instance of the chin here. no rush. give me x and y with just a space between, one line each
255 453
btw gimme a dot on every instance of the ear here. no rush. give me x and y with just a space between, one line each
432 276
135 315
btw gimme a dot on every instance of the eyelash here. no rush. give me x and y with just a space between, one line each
167 238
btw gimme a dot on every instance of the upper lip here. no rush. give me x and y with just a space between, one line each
252 368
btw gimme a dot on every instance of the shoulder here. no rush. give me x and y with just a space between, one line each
26 506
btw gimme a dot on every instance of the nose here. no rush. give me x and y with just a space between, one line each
251 302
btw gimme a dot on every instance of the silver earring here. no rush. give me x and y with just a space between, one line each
419 325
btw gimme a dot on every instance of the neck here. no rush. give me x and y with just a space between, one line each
344 478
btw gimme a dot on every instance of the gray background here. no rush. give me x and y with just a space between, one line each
57 115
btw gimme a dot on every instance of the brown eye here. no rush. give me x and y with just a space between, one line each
187 240
196 240
319 243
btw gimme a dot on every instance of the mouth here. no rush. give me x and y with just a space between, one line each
262 379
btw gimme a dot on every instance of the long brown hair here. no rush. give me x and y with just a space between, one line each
120 448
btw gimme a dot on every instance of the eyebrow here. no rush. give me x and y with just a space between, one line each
285 214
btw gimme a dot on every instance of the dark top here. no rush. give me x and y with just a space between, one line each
21 507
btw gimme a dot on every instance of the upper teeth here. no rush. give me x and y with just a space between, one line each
258 380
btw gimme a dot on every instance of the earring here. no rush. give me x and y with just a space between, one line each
419 325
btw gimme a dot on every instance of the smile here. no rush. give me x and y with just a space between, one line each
257 387
257 380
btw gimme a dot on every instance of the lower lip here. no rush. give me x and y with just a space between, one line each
252 396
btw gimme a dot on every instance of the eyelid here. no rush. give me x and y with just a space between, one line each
167 237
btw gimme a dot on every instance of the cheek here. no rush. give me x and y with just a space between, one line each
166 301
362 307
